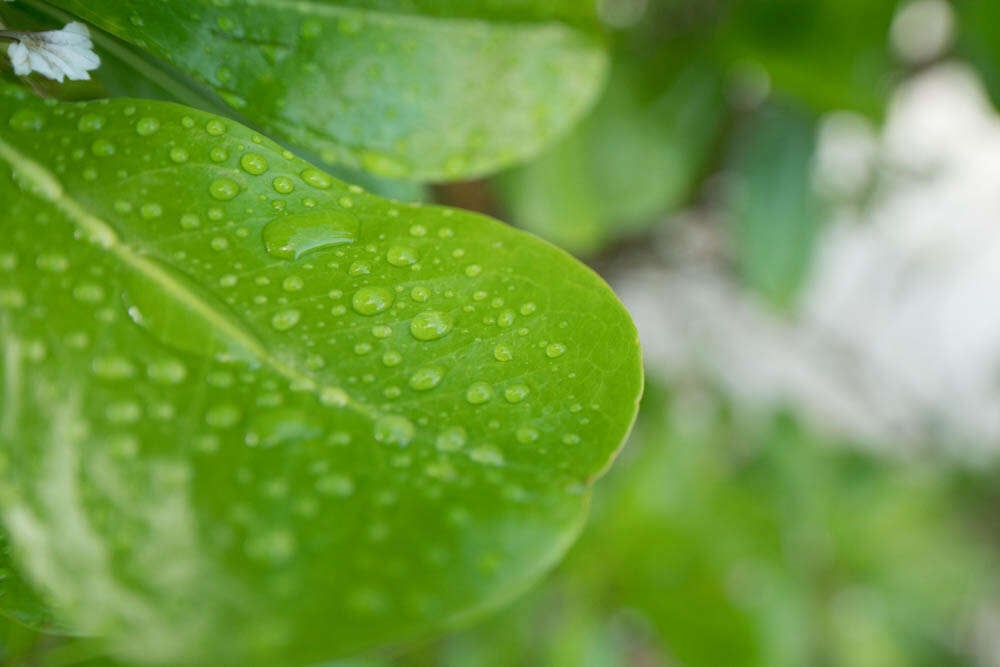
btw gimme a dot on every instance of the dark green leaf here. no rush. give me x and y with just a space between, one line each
430 90
250 412
773 210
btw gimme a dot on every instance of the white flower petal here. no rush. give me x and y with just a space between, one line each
56 54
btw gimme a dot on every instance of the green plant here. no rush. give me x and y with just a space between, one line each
251 414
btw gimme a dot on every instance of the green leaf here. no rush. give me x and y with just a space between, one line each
253 415
636 157
427 90
773 210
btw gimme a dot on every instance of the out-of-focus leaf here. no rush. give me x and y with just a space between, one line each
829 54
252 415
979 40
429 90
773 211
636 157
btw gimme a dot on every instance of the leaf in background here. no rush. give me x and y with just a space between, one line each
636 157
250 412
829 54
433 90
979 40
772 208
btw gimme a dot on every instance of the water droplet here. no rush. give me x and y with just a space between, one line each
516 393
215 127
253 163
487 455
361 349
167 371
292 236
90 122
126 412
426 378
473 270
147 126
381 331
401 256
526 435
102 148
359 269
334 397
478 393
571 439
179 155
451 439
26 120
52 262
335 485
190 221
392 358
283 185
371 300
224 189
430 325
223 416
292 284
88 293
554 350
112 368
503 352
218 154
150 210
418 231
505 319
394 430
316 178
420 294
284 320
528 308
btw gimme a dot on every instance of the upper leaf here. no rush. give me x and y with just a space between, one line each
423 89
249 411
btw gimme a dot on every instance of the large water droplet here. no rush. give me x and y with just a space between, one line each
430 325
224 189
371 300
253 163
292 236
316 178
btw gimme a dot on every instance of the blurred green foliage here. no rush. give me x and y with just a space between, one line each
715 543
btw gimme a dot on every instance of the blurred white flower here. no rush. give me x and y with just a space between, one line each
896 340
56 54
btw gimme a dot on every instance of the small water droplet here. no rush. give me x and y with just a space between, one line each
381 331
392 358
451 439
224 189
150 211
292 284
52 262
283 185
361 349
112 368
426 378
478 393
335 485
503 352
554 350
371 300
401 256
292 236
223 416
215 127
90 122
430 325
487 455
147 126
26 120
420 294
102 148
218 154
167 371
526 435
317 179
359 269
334 397
571 439
394 430
516 393
284 320
528 308
88 293
253 163
179 155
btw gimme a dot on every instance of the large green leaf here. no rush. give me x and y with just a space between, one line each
249 411
427 90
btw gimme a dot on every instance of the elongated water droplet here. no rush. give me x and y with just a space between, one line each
292 236
371 300
430 325
426 378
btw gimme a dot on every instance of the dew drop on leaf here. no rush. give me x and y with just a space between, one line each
292 236
430 325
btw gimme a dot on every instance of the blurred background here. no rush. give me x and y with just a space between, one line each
800 204
799 201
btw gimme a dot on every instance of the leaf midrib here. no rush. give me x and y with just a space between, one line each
43 184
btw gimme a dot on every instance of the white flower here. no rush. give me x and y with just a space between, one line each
56 54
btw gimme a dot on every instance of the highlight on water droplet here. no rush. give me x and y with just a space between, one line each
371 300
430 325
292 236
